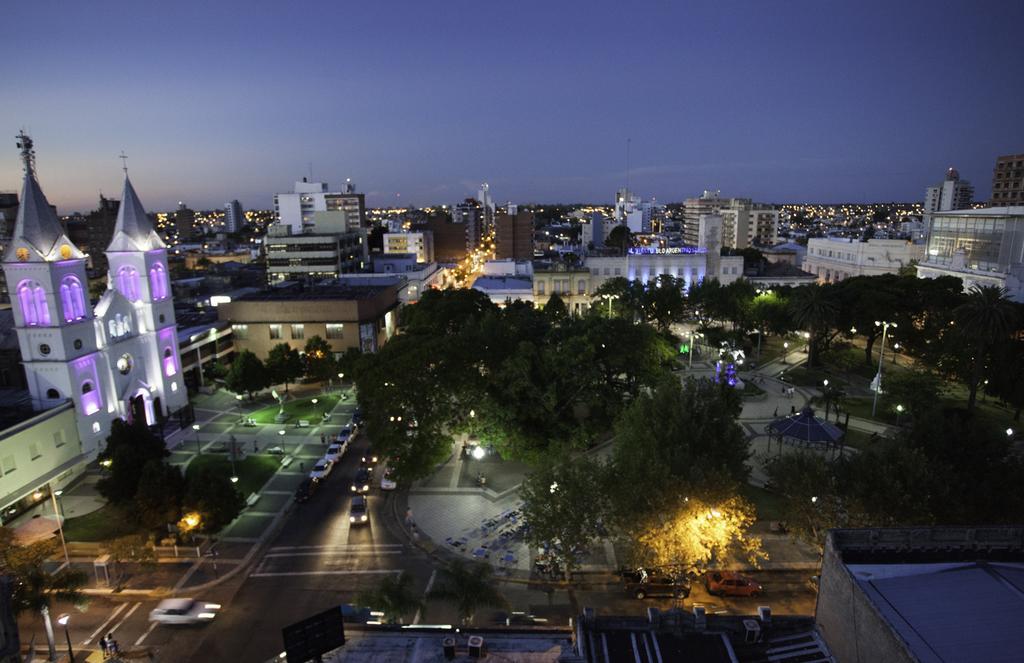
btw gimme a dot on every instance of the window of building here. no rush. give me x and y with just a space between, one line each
9 465
298 332
618 272
128 282
158 281
52 393
33 451
581 287
72 299
241 332
275 332
170 366
540 287
32 299
334 330
96 427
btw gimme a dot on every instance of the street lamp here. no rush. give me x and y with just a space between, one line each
54 494
238 400
693 336
478 452
899 411
1009 432
199 449
609 298
63 621
881 355
785 351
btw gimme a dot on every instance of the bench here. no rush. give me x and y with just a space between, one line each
303 423
252 499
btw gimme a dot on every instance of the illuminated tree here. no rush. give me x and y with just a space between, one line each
320 364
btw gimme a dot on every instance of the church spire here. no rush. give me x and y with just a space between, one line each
38 234
133 230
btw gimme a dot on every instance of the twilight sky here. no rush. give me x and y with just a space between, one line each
784 101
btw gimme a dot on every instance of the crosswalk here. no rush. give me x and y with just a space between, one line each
332 559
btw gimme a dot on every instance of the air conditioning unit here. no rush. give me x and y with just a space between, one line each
752 631
700 618
448 644
764 613
476 646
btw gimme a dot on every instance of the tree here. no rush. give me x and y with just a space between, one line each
619 238
984 321
664 300
1007 383
394 596
35 589
555 308
320 364
247 374
468 587
626 298
814 309
134 549
564 505
284 365
209 492
160 491
129 448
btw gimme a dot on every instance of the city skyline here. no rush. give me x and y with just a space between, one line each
788 103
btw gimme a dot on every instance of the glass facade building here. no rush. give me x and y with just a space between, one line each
991 240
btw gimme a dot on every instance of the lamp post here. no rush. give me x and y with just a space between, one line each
238 401
693 339
280 434
785 351
54 494
63 621
881 355
609 298
899 411
199 449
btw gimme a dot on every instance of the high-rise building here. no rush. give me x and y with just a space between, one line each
744 223
632 212
419 243
296 209
451 240
234 217
1008 180
184 221
313 256
950 194
470 213
100 224
483 196
709 202
514 235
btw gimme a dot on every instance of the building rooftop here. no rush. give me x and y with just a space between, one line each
388 645
503 283
318 292
1017 210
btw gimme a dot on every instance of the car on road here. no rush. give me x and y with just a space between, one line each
335 452
275 451
642 583
729 583
306 489
358 513
387 481
357 416
369 457
322 468
345 434
361 482
183 611
519 618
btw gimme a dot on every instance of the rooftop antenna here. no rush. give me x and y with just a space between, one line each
124 162
28 153
310 171
627 163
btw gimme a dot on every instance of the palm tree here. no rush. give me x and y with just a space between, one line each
985 320
468 587
814 309
394 597
35 589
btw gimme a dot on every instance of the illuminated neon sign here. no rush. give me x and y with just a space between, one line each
667 251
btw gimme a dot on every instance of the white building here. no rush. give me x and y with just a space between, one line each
313 255
951 194
420 243
833 259
979 246
632 212
296 210
745 224
644 264
234 217
117 360
483 196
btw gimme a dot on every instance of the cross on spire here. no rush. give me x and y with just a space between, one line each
28 154
124 162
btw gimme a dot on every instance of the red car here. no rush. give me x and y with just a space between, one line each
728 583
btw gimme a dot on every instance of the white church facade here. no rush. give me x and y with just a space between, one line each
118 359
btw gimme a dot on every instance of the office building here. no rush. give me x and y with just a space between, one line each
833 259
950 194
313 256
483 196
346 316
100 230
979 246
1008 181
234 217
513 235
296 210
184 220
420 243
744 223
471 215
594 231
632 212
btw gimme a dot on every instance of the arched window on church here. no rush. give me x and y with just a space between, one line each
72 299
90 398
158 281
170 368
128 282
32 299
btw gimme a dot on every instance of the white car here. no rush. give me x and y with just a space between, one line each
346 434
336 451
322 468
386 480
183 611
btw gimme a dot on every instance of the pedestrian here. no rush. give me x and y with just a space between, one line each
254 447
104 646
302 467
792 409
776 411
408 517
323 439
115 649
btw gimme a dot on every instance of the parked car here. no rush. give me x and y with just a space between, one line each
386 480
335 451
357 416
358 513
275 451
729 583
306 489
361 482
519 618
344 435
183 611
642 583
369 457
322 468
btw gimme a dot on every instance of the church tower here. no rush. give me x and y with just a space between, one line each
52 316
147 371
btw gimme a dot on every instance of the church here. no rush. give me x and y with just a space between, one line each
117 359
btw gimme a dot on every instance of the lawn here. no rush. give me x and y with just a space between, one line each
801 376
750 389
858 439
769 505
108 522
302 408
253 471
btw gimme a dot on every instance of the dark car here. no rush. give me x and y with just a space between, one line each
729 583
642 583
369 457
358 513
357 416
306 489
361 483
